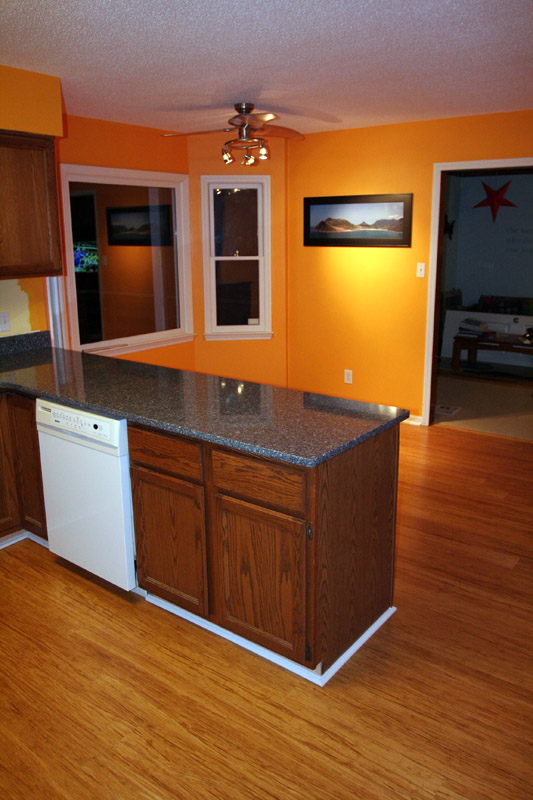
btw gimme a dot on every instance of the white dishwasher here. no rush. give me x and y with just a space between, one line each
87 494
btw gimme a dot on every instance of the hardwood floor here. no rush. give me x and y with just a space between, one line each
106 696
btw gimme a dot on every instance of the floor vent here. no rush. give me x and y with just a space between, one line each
448 411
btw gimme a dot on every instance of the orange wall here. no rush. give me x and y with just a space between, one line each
98 143
264 361
363 308
31 102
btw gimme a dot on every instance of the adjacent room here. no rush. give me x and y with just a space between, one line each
486 288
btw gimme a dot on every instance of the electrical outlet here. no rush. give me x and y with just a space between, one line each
347 376
420 269
4 321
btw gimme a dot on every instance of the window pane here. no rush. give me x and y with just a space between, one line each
235 222
124 259
237 284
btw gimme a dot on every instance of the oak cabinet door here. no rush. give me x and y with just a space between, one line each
29 219
27 464
169 520
261 566
9 504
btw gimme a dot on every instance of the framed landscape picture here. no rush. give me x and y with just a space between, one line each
143 226
365 220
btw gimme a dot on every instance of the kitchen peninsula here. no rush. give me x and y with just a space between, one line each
263 513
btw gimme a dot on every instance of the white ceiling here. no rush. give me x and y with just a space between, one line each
320 64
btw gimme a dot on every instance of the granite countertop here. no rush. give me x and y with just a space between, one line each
288 425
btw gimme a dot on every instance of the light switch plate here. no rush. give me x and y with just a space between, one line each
420 269
4 321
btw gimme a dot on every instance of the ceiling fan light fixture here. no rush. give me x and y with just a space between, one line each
249 160
226 155
263 152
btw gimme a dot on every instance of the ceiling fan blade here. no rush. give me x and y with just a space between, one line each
279 130
253 120
198 133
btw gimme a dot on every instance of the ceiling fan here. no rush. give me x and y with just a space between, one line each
251 128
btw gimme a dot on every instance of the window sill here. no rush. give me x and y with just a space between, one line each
121 346
216 337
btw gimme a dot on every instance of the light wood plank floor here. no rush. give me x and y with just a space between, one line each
104 696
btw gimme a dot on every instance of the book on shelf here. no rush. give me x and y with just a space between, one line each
472 327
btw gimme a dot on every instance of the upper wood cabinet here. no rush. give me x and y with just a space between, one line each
30 242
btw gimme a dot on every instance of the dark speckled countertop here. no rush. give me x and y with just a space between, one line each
292 426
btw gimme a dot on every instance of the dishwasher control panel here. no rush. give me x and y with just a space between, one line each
52 416
74 421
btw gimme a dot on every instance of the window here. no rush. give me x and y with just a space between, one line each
128 274
236 242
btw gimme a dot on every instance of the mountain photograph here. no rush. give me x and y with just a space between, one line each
330 225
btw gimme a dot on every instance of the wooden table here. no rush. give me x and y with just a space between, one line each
473 343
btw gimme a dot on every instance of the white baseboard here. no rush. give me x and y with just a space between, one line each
19 536
315 676
412 420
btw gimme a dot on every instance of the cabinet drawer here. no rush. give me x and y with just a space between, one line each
262 481
165 452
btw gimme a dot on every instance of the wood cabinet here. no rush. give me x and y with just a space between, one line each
21 487
169 519
260 543
9 501
298 560
30 242
262 557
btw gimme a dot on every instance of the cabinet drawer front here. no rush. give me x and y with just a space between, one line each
165 452
260 480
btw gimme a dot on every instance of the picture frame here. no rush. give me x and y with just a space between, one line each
139 226
364 220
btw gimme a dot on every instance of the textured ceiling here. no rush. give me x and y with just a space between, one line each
181 64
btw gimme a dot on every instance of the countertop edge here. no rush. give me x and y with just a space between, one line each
222 441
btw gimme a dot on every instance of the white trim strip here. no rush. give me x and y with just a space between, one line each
132 346
19 536
217 337
314 676
413 420
335 667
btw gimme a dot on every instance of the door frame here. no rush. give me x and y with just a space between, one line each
438 170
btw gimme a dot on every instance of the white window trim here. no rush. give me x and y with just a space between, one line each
57 286
214 332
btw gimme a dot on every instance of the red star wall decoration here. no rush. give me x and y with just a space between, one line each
495 199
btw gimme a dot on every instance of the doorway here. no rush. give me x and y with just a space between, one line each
439 229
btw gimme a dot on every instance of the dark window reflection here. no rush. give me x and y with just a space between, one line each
237 284
235 218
